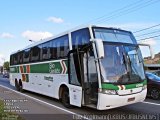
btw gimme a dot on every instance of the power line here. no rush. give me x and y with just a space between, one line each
129 10
149 38
122 11
113 12
147 28
157 31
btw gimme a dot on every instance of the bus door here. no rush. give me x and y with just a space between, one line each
83 78
90 79
75 78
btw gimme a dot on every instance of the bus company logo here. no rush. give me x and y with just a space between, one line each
53 69
48 78
139 85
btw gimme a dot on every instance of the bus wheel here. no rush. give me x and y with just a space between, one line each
17 85
20 86
65 98
155 93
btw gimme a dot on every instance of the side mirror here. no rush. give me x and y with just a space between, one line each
99 47
150 49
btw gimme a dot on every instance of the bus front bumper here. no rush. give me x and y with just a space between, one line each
112 101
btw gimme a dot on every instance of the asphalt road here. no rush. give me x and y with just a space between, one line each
149 109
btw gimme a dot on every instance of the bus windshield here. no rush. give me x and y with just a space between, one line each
122 63
114 35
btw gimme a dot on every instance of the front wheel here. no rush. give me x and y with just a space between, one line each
66 98
155 93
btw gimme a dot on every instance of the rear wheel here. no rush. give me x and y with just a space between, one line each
17 85
65 98
20 86
155 93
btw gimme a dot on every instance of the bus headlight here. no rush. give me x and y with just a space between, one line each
144 87
109 92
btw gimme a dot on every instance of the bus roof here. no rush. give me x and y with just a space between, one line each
61 34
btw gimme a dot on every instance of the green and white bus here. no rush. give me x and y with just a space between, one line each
92 66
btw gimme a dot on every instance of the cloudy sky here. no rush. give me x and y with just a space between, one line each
21 21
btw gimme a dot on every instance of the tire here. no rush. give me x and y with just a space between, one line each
21 86
65 98
155 93
17 85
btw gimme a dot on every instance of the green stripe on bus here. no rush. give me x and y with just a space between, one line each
109 86
51 67
39 68
130 86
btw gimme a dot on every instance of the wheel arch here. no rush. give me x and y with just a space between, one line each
61 88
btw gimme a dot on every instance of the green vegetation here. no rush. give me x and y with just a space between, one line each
8 115
6 65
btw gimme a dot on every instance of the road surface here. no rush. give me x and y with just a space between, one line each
149 109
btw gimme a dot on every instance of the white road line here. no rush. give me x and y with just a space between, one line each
79 116
151 103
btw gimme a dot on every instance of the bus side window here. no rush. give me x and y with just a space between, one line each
26 55
11 60
35 53
80 38
59 47
64 46
53 50
46 50
15 59
20 57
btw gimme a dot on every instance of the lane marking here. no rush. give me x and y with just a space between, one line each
79 116
151 103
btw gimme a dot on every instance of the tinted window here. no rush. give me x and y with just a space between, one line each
45 51
26 55
59 47
35 54
53 50
80 38
15 59
11 60
20 57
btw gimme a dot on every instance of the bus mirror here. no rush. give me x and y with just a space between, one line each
100 47
150 49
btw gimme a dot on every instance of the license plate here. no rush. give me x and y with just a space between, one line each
131 99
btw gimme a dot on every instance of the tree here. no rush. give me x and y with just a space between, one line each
6 65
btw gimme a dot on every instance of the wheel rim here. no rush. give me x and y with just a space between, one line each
155 93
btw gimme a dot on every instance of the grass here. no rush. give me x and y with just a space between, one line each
8 115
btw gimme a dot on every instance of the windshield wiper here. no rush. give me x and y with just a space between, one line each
124 61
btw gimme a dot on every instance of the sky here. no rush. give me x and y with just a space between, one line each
21 21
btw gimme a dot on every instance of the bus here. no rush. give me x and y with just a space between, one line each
94 66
